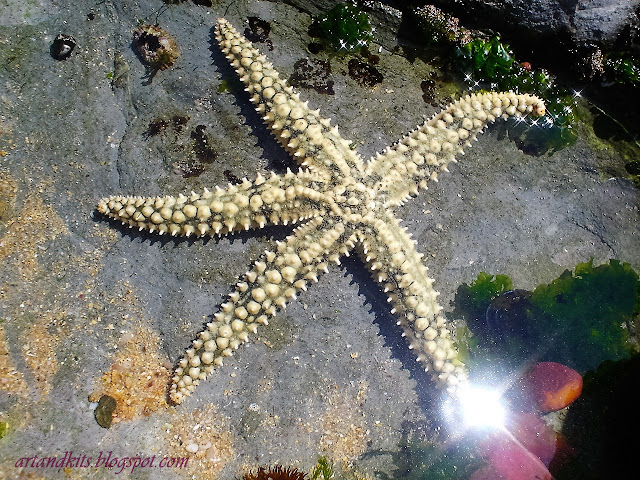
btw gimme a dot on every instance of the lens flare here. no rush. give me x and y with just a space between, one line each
482 407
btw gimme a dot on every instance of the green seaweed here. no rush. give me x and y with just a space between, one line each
323 470
4 426
472 302
346 27
466 343
480 342
489 60
493 62
581 319
586 314
623 70
487 287
476 297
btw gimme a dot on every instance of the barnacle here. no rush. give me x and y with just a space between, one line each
155 47
62 46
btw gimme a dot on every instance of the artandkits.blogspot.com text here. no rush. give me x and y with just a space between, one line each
103 460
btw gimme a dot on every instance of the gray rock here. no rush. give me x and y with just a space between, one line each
585 21
604 20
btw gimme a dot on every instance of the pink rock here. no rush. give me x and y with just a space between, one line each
550 386
524 450
514 463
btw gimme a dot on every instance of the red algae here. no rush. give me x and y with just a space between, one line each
550 386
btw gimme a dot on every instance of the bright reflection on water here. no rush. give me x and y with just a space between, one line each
481 406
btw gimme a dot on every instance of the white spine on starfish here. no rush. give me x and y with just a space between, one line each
391 257
276 277
281 199
308 137
418 157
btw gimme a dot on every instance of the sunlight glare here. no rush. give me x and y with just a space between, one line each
482 407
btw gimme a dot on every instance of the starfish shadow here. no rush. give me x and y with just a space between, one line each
392 332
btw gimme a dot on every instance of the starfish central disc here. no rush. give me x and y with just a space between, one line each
338 203
353 202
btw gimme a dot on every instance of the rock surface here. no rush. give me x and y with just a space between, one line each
601 22
587 21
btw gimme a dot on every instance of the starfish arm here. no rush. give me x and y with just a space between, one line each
279 199
308 137
276 277
390 254
420 155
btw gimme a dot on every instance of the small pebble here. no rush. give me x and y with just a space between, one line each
104 411
192 447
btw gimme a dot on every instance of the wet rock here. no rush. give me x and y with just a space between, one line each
584 21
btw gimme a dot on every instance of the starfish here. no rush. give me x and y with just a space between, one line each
339 203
